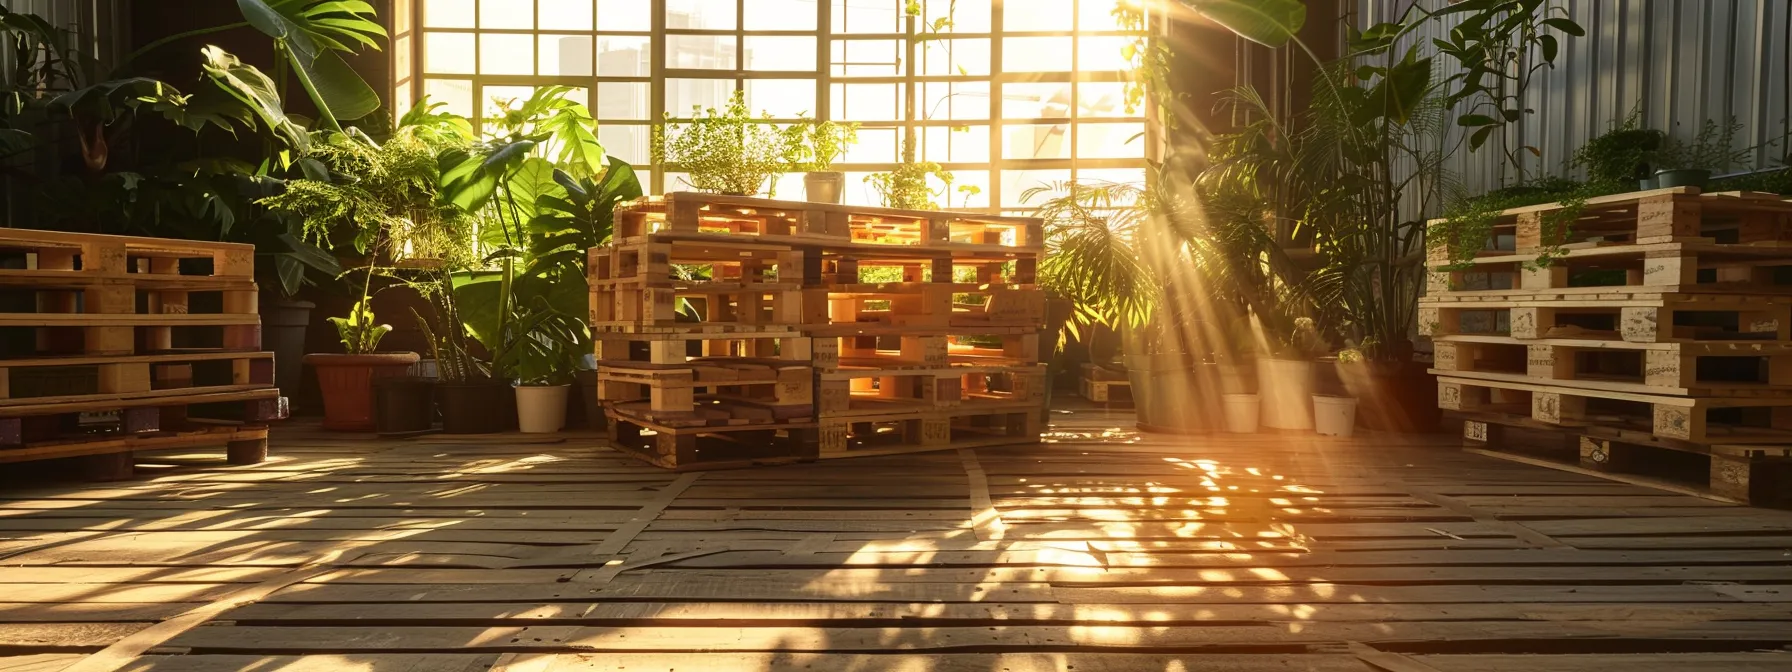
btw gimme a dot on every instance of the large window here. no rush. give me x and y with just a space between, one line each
1005 94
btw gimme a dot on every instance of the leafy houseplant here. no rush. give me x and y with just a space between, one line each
1691 163
906 187
347 380
824 143
727 151
1621 157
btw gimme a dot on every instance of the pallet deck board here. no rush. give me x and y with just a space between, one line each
437 554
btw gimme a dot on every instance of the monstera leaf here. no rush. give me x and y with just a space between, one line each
312 36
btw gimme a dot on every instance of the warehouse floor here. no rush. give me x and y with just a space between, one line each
1102 550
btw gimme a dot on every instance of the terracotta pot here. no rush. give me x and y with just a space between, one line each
347 385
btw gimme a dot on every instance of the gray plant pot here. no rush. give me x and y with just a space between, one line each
1647 184
824 187
1683 177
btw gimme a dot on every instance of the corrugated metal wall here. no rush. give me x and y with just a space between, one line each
1680 61
97 23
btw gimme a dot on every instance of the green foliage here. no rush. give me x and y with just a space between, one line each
1148 64
1271 23
1620 156
564 127
1093 251
311 36
1501 46
359 331
727 151
821 145
906 187
1713 148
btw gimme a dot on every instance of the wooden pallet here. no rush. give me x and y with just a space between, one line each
1733 420
853 391
1679 214
710 392
851 265
698 449
1637 316
1754 475
1594 268
926 305
109 457
896 352
911 432
1103 385
1703 369
689 213
636 287
679 346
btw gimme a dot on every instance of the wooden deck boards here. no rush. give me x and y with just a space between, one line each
1101 550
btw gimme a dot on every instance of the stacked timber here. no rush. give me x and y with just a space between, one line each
110 345
738 330
1658 325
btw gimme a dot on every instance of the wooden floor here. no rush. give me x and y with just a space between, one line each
1103 551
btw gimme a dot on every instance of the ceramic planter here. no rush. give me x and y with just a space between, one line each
1168 393
1242 412
541 409
346 382
824 187
1334 416
1286 389
1683 177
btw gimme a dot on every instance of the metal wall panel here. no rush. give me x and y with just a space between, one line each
98 24
1680 61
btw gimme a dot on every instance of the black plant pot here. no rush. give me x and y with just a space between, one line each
404 404
1683 177
477 407
594 406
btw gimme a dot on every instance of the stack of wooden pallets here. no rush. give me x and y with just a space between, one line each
736 330
114 345
1659 326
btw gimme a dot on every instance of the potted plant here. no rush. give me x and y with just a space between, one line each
824 143
346 379
1690 164
1622 156
906 187
727 151
1334 410
1285 380
542 355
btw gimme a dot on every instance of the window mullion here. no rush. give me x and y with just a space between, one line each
996 129
656 43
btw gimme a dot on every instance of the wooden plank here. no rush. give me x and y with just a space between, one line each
953 662
1775 661
360 662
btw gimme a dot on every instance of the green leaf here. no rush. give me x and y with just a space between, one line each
341 88
1480 137
257 91
1268 22
1476 120
1566 25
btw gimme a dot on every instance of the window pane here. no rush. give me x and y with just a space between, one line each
683 94
448 13
624 100
1097 15
780 14
967 16
1114 175
626 142
1015 184
783 98
566 14
954 57
1040 15
788 186
867 16
449 53
568 55
706 52
497 99
712 14
458 94
780 53
1103 99
866 102
1102 54
1036 54
1042 141
624 56
947 145
955 100
875 145
1036 100
506 54
867 58
506 15
624 15
1110 141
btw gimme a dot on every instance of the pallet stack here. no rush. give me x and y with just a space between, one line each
113 345
736 330
1660 334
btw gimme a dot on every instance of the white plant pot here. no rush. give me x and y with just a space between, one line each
541 409
1334 416
1286 389
1241 412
